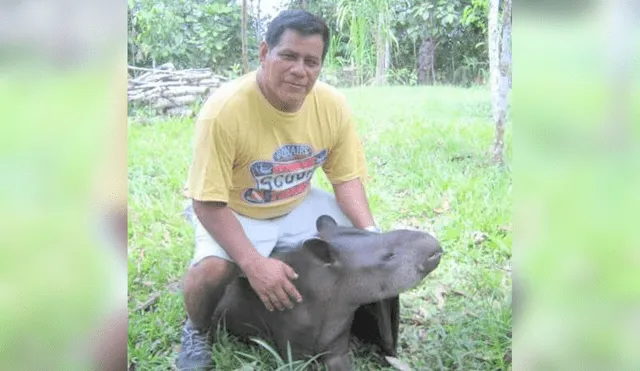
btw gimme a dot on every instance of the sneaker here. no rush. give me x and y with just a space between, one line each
196 350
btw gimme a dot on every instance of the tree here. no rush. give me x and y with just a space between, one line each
432 23
452 33
384 35
369 25
500 71
189 34
255 11
245 57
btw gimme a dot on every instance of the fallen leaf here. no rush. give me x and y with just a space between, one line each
402 194
471 314
140 257
148 303
175 287
422 334
444 206
440 291
479 237
505 228
397 364
507 357
459 157
460 293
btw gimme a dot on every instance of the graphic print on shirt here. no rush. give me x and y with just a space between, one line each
288 175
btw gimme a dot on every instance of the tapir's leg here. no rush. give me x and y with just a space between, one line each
204 285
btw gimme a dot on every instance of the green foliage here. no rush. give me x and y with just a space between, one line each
368 24
471 71
402 76
459 28
198 33
187 33
476 14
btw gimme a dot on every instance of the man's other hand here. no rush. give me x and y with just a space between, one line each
271 280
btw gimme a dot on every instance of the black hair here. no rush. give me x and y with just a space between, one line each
301 21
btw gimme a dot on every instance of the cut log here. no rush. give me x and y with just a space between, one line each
148 85
212 81
187 90
145 95
170 91
179 111
168 102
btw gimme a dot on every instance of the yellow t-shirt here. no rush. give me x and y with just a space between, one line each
260 160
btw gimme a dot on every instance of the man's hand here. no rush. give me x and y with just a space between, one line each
271 280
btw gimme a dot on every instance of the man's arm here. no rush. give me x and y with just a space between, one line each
225 228
352 199
270 278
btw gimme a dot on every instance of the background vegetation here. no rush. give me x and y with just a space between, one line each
373 41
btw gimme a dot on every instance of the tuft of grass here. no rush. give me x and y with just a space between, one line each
258 363
428 151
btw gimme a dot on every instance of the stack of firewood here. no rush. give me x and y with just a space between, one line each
172 92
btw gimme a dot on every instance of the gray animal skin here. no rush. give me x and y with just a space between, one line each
342 271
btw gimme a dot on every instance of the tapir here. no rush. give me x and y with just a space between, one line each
350 281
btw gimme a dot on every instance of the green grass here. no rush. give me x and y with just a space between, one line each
428 151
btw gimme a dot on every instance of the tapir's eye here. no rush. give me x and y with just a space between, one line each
389 256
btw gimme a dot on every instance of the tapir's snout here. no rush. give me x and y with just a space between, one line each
432 258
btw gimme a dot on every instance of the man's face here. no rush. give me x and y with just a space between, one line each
290 69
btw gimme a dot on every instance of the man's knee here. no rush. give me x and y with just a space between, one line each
211 272
204 285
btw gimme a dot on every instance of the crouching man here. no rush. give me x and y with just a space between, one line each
258 141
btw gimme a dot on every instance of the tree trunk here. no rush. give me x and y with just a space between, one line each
494 51
381 51
426 60
387 55
258 23
245 58
504 77
499 70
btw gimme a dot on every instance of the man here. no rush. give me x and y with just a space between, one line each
258 141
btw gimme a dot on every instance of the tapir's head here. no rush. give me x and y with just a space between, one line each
373 266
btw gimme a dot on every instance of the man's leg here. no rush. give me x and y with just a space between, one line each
203 287
204 284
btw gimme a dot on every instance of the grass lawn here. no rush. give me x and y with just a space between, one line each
428 159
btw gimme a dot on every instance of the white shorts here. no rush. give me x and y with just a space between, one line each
282 233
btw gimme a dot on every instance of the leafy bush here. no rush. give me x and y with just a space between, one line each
187 33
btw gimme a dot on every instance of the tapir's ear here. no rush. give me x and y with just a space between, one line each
324 222
321 249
